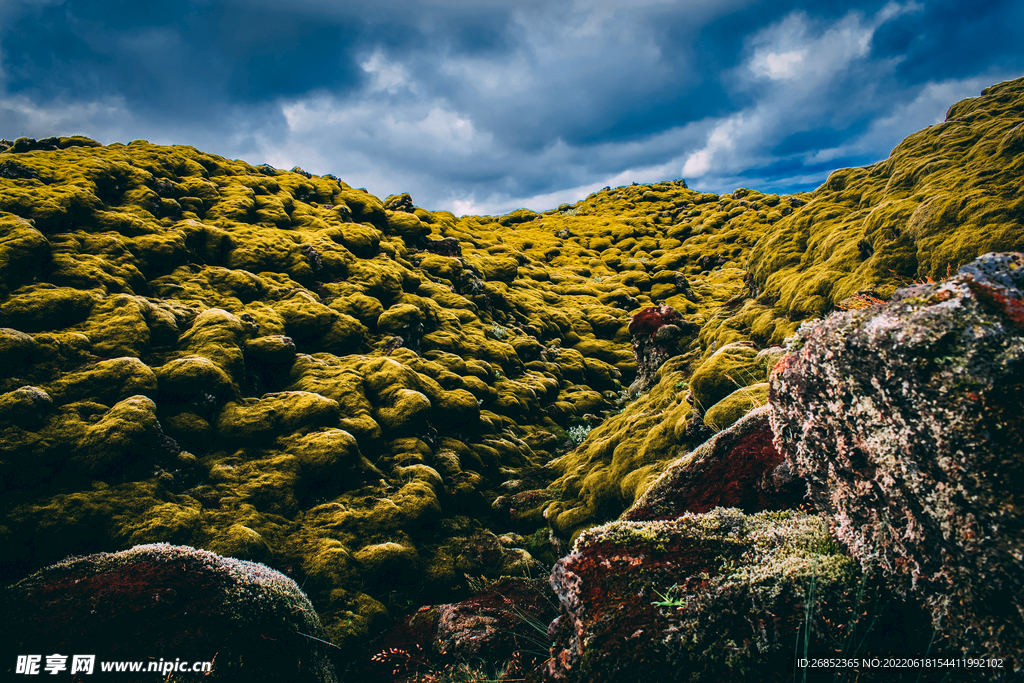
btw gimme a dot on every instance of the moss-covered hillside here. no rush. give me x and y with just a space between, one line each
379 400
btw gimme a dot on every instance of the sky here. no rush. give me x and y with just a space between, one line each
485 106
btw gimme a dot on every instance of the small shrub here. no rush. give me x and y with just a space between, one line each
577 433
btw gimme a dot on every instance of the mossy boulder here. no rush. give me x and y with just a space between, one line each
17 350
24 252
273 349
398 318
220 337
128 432
39 308
120 326
406 225
242 543
365 207
346 336
193 377
734 406
278 413
26 407
731 367
304 317
331 458
203 606
106 382
191 430
714 596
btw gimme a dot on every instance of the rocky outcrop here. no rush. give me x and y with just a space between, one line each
155 601
737 468
658 334
716 596
905 419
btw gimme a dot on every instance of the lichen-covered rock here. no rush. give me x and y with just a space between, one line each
657 334
717 596
906 421
190 604
737 468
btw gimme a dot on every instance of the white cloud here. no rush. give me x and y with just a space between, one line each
778 66
791 49
386 75
511 76
722 139
448 126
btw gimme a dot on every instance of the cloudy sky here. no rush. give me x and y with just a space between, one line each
484 106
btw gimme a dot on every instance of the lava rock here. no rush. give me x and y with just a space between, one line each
252 622
906 420
738 468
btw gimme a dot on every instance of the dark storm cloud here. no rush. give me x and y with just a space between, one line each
490 105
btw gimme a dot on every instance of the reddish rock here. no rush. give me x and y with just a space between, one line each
738 467
649 320
657 334
721 596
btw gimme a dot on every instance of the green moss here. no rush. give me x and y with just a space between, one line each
733 366
23 252
273 414
192 376
734 406
398 317
129 428
17 350
105 382
38 308
406 225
